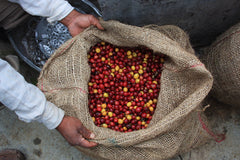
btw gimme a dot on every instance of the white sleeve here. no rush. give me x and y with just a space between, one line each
25 99
55 10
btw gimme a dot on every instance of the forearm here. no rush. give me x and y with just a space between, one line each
55 10
25 99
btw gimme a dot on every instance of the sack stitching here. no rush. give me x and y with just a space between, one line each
185 68
215 44
218 137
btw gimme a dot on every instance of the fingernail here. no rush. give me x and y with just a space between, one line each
92 136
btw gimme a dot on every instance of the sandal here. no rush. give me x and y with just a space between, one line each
11 154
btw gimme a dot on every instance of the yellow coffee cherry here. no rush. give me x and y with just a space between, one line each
143 123
155 82
151 109
104 113
97 50
104 105
133 68
95 91
103 110
129 53
154 100
110 114
148 115
136 76
104 125
140 71
134 54
116 49
102 43
129 117
124 128
105 95
129 104
130 57
150 101
110 53
103 58
137 80
93 118
117 68
138 118
90 84
125 89
120 121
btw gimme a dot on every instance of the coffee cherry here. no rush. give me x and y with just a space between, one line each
138 109
124 86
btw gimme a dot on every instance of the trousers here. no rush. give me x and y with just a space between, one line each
11 15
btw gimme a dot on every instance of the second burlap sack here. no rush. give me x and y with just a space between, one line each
222 59
178 123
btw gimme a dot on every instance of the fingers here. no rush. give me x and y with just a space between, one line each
94 21
84 143
85 132
99 26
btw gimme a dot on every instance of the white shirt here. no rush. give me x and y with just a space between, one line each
55 10
28 102
25 99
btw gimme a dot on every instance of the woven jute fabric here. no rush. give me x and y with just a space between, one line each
222 59
177 124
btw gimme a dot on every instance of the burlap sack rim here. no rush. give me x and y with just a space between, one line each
197 66
67 44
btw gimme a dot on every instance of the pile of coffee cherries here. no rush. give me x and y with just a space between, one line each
124 86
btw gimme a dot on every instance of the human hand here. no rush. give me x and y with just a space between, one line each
75 133
77 22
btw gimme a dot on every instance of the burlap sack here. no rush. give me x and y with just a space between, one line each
222 59
177 124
